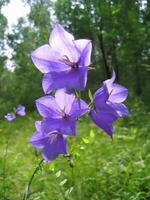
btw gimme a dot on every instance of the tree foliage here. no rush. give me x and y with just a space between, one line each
119 30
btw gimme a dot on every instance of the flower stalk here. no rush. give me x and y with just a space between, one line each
27 191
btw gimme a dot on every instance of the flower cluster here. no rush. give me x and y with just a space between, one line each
59 120
20 110
64 63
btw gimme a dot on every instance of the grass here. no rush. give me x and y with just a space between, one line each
101 169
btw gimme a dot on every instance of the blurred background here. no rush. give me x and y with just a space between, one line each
119 30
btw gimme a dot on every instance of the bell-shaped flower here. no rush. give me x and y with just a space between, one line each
64 61
10 117
108 103
61 112
111 97
20 110
51 144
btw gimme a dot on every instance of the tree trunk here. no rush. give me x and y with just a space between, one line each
138 81
102 47
115 62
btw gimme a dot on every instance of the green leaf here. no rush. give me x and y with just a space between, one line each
82 147
58 174
115 10
85 140
68 192
90 95
63 182
78 94
51 166
92 134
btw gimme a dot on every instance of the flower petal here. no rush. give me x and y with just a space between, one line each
110 81
64 100
38 140
69 79
67 127
81 44
38 126
51 144
56 144
47 107
79 108
62 41
104 120
118 94
101 96
120 109
85 58
47 59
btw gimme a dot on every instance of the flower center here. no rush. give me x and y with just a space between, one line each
53 137
67 61
65 116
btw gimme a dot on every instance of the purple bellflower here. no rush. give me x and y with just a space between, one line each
61 112
20 110
10 117
108 103
51 144
64 61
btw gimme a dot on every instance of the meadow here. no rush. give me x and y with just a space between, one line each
98 168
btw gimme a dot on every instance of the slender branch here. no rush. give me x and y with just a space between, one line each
27 191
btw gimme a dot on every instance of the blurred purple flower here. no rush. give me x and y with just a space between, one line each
21 110
61 112
51 144
108 103
64 61
10 117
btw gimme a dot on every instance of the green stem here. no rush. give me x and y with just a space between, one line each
4 171
90 105
27 192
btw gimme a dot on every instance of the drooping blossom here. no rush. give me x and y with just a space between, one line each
61 112
64 61
10 117
51 144
108 103
20 110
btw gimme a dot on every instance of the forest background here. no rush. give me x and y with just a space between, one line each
119 30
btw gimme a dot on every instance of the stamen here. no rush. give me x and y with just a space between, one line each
66 61
109 101
53 137
63 114
111 92
109 96
66 117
